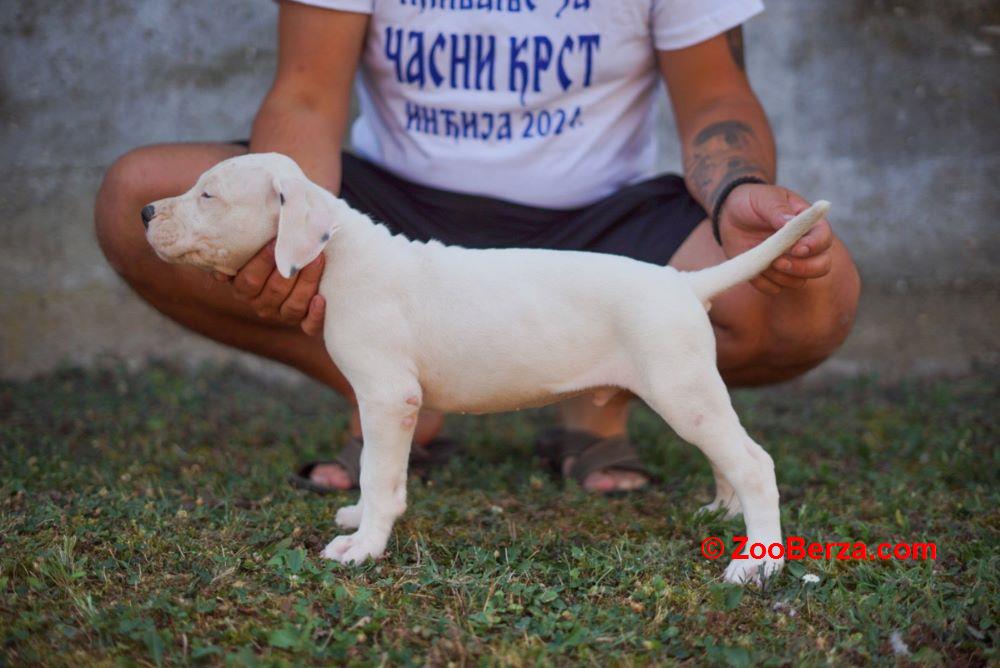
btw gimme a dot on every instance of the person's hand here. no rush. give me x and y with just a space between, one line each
753 212
279 300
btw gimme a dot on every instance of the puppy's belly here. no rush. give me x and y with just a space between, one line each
493 391
450 402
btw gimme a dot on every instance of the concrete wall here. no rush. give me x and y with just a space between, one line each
886 108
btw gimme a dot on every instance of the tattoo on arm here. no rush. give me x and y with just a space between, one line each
735 39
720 153
726 150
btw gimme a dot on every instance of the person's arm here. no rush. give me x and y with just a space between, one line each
305 113
725 136
304 116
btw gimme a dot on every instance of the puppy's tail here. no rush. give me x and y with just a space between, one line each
711 281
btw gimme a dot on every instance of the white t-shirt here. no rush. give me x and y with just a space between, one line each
541 102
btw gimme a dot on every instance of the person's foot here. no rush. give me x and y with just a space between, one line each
609 480
330 474
600 463
333 475
603 415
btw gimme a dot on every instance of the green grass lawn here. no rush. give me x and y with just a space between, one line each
145 519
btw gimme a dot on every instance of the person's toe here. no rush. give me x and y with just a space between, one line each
600 482
631 480
613 480
330 475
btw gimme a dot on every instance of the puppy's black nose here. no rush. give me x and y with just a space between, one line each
147 214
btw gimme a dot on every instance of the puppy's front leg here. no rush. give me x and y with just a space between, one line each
388 430
349 517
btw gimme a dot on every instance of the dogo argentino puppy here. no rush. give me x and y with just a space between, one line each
415 325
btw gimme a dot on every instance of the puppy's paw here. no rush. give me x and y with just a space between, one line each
752 571
349 517
729 504
355 548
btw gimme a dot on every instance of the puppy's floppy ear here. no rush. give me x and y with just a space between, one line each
304 224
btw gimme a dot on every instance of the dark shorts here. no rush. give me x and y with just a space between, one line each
647 221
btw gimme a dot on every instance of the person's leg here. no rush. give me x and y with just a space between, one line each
186 294
582 414
764 339
760 339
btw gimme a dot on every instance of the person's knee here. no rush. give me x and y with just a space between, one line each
804 342
778 345
119 233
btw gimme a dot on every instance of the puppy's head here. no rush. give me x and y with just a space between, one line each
229 214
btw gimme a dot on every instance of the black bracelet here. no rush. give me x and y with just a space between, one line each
717 211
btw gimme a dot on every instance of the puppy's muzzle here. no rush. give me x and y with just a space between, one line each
147 214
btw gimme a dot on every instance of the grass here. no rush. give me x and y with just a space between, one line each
145 519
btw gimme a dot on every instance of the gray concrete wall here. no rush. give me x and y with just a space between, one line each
886 108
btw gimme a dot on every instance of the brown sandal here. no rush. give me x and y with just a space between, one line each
591 452
423 458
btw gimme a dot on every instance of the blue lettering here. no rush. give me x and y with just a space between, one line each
567 47
590 42
544 122
543 58
463 60
412 117
485 125
561 116
518 69
512 6
430 120
488 115
415 65
575 120
503 129
395 54
450 127
577 4
470 127
485 60
439 43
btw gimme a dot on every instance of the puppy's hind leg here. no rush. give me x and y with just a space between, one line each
388 424
695 403
725 497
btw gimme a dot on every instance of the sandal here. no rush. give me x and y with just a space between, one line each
423 458
591 452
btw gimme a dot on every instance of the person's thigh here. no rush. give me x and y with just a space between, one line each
186 294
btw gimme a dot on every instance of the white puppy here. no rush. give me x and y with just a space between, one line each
415 325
